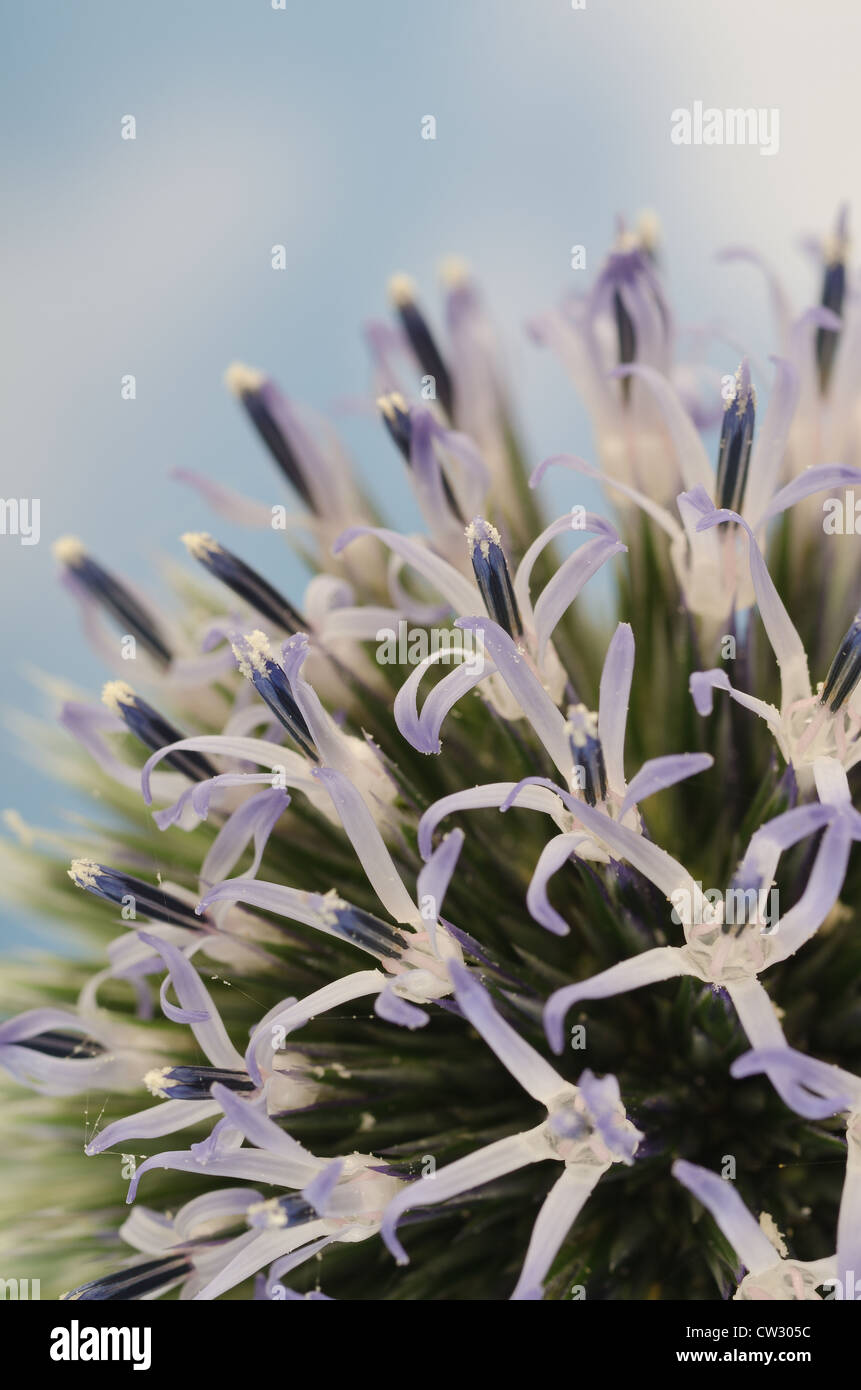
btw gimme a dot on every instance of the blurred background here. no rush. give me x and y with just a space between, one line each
301 126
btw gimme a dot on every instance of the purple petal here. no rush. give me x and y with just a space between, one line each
476 1169
603 1098
822 478
613 698
659 773
320 1188
560 591
662 963
554 854
559 1211
422 730
811 1088
694 465
527 1066
526 688
435 876
164 1118
823 888
368 844
462 596
785 641
770 446
480 798
255 819
394 1009
718 1195
197 1007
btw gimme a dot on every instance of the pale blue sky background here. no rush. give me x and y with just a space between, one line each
302 127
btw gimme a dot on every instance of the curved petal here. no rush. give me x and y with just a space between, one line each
811 1088
822 891
526 688
528 1067
422 730
613 697
694 465
369 845
255 819
554 854
494 1161
296 1012
560 592
458 592
482 798
718 1195
193 995
785 641
559 1211
659 773
164 1118
662 963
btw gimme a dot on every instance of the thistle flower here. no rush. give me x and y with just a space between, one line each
759 1246
340 1009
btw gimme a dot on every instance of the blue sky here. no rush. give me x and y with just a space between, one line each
302 127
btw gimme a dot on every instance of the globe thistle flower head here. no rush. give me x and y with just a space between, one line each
442 936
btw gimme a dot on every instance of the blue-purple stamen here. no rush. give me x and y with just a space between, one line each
626 336
261 399
368 931
587 753
154 731
245 582
115 598
271 684
147 899
422 342
67 1046
398 422
833 294
490 568
845 670
194 1083
736 442
290 1210
135 1282
396 418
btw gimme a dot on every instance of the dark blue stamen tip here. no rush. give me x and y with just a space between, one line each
244 582
491 574
833 292
135 1282
193 1083
115 599
154 731
262 399
68 1046
587 753
422 342
290 1210
398 422
396 418
145 899
736 442
366 930
626 335
273 687
845 670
